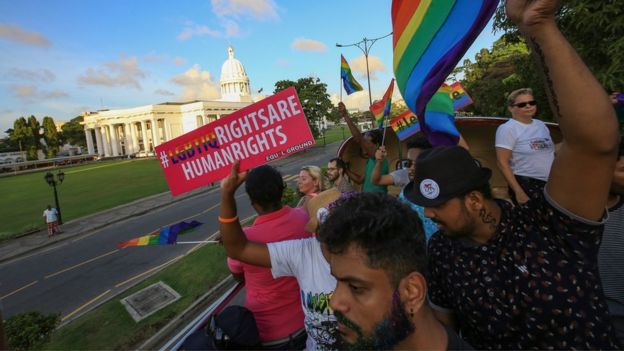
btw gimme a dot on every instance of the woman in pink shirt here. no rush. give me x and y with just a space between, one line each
275 303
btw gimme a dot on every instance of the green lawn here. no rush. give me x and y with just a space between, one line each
86 190
110 327
334 134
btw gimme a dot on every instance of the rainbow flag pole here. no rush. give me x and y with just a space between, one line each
381 109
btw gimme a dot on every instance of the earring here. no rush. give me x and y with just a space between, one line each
411 313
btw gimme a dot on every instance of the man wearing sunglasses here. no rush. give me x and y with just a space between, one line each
524 148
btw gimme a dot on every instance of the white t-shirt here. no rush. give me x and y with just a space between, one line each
51 215
533 151
401 177
304 260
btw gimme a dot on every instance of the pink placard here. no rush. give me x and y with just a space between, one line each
268 130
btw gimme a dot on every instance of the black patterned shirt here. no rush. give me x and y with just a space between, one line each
534 285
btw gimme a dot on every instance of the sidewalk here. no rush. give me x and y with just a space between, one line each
29 243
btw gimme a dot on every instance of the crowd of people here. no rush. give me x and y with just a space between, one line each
445 266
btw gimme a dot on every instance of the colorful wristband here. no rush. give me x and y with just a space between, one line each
228 220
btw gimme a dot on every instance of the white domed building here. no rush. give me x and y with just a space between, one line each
136 131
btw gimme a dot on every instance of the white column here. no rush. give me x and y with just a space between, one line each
144 133
133 135
167 127
128 139
107 139
98 140
89 138
155 137
114 140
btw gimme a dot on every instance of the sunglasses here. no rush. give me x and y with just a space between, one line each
405 163
524 104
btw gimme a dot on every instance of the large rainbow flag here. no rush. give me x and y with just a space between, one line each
381 108
429 38
440 116
350 84
163 236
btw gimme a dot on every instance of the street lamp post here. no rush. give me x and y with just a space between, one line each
49 178
365 50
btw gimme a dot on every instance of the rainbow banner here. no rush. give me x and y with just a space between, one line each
460 97
381 108
429 38
350 84
405 124
440 118
163 236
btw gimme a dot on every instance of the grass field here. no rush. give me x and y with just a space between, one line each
110 327
86 190
335 134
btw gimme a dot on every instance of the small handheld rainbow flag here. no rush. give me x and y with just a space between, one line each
350 84
163 236
460 97
381 108
405 124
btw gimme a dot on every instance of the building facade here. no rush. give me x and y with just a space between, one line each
136 131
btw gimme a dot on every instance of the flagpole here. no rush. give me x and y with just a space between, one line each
198 242
383 139
340 87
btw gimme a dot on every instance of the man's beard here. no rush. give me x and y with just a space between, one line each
391 330
465 231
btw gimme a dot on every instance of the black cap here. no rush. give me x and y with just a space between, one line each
443 173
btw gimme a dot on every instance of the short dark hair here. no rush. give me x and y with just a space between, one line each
389 232
264 186
419 141
339 162
375 135
484 189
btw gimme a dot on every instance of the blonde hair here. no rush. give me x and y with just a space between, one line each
317 174
511 98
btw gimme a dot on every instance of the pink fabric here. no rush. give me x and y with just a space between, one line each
275 303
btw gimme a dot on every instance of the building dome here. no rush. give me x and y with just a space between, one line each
234 80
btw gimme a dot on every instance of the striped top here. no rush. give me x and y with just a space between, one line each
611 259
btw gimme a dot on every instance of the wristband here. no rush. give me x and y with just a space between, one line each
228 220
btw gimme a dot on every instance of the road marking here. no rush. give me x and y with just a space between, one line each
80 264
292 177
149 271
85 305
18 290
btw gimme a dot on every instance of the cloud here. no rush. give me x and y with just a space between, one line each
231 28
41 75
31 92
259 9
283 62
178 61
163 92
125 72
192 30
375 65
16 34
197 85
153 57
308 45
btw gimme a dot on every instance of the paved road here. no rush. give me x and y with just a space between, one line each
73 276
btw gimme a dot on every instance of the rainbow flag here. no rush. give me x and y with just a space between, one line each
440 118
350 84
405 124
429 38
460 97
163 236
381 108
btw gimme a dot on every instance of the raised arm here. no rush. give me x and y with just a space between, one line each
236 244
355 132
376 176
581 173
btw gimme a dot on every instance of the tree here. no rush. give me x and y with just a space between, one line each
314 99
51 137
73 132
30 330
22 135
34 143
498 71
594 29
